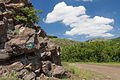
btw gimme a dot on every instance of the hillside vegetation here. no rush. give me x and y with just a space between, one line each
95 51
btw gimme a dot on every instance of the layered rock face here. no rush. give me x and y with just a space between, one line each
26 51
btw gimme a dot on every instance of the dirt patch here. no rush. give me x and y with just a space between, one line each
109 71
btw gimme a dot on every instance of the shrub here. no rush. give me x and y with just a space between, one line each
51 36
27 15
98 51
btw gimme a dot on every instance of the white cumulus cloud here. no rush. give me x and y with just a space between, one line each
79 21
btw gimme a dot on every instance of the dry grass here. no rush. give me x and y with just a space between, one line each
84 73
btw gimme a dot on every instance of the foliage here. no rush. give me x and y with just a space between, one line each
51 36
98 51
27 15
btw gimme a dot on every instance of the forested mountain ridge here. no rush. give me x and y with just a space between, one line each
96 51
98 39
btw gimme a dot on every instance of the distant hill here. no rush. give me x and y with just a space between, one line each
94 50
116 39
63 42
98 39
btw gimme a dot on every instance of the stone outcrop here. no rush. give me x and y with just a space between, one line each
26 51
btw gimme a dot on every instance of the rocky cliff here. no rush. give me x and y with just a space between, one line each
26 51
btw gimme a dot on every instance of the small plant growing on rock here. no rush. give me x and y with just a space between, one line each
27 15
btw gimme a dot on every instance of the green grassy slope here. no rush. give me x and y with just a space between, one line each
98 39
63 42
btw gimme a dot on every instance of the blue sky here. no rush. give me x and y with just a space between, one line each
80 19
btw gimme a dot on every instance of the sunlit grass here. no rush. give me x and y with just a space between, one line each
113 64
84 74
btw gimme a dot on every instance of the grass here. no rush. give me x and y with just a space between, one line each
4 78
13 76
84 73
109 64
63 42
113 64
10 78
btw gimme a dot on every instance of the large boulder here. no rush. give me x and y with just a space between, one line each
26 51
60 72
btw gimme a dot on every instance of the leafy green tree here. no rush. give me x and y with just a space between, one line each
98 51
51 36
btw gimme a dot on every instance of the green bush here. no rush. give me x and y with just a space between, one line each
98 51
51 36
27 15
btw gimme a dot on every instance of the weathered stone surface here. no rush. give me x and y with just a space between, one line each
34 64
53 78
16 66
3 31
4 1
25 50
17 1
3 55
46 68
30 76
16 5
43 77
22 73
7 13
58 71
